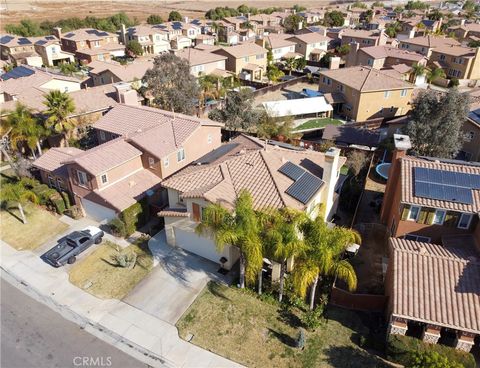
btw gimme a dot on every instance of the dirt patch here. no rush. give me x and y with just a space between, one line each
12 11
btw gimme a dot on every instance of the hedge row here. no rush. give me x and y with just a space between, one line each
130 219
400 349
58 201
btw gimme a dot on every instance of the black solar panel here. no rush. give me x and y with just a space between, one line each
443 192
465 180
291 170
18 72
50 38
24 41
6 39
305 187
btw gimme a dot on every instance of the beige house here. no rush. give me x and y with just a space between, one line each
379 57
247 60
153 40
245 164
362 92
202 62
50 50
363 37
425 44
312 46
465 31
471 130
19 50
102 72
281 47
457 61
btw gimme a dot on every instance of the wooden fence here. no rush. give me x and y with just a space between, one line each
360 302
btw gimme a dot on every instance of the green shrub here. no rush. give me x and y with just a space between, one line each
117 227
74 212
135 216
57 203
312 319
431 359
43 192
66 199
400 349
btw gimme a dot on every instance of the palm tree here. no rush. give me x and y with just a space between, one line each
290 63
323 258
16 192
434 74
59 107
282 239
239 228
417 70
24 128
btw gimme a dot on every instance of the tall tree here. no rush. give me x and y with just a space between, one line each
134 48
154 19
293 23
174 16
239 228
24 128
436 121
290 64
334 19
323 257
434 74
171 84
282 239
60 107
18 194
238 112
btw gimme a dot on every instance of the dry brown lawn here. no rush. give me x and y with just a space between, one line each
98 275
41 226
239 326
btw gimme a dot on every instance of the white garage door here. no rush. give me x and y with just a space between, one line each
204 247
97 212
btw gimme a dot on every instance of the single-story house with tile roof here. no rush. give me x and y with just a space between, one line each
275 177
202 62
436 288
102 72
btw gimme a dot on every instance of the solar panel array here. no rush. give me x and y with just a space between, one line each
445 185
305 185
216 154
18 72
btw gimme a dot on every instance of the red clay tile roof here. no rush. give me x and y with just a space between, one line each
407 184
105 156
51 160
436 285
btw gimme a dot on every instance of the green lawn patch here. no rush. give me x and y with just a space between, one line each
318 123
100 276
238 325
344 170
41 226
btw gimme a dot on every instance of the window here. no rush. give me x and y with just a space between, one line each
166 161
51 181
259 57
209 139
180 155
469 136
83 240
151 161
340 87
104 179
386 94
465 220
245 59
439 217
82 178
403 93
419 238
413 213
60 184
442 57
102 135
101 57
370 61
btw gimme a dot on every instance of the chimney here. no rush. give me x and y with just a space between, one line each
462 22
57 32
402 145
300 25
123 34
186 19
331 171
352 54
126 95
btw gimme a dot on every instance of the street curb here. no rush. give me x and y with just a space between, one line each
138 352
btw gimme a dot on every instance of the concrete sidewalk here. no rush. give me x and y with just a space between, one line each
141 335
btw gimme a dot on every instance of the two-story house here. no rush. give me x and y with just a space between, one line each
139 147
227 33
379 57
153 40
90 44
465 31
275 177
457 61
103 72
471 129
248 60
430 199
50 50
425 44
363 37
19 50
312 46
202 62
281 47
362 92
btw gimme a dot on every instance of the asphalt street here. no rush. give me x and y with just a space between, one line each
34 336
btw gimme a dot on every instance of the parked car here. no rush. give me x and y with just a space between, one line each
67 250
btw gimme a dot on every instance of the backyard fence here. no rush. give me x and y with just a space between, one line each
276 87
360 302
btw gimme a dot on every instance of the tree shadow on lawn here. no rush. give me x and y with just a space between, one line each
217 290
348 356
14 215
283 338
289 318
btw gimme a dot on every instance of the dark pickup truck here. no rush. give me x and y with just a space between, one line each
67 250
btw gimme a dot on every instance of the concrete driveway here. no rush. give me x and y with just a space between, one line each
174 284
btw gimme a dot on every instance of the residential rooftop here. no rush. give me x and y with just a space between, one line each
431 41
199 57
244 49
